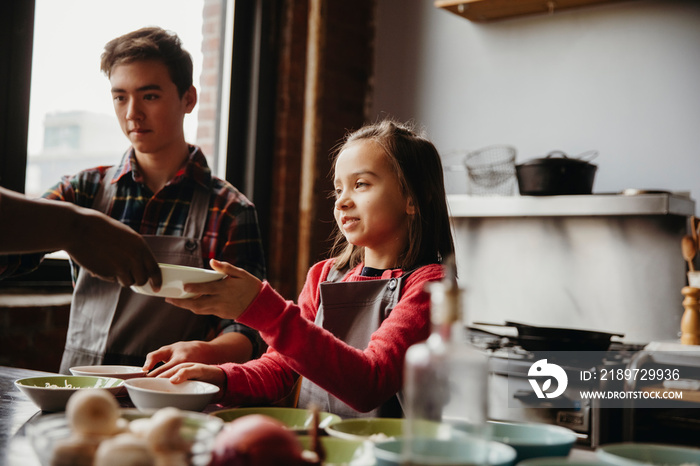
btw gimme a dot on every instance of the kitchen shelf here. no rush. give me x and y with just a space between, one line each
462 205
482 11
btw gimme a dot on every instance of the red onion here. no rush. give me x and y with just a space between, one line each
256 440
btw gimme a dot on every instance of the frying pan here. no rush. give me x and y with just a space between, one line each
535 338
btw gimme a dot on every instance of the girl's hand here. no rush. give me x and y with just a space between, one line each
226 298
196 371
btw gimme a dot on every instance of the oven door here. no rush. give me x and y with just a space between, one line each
511 398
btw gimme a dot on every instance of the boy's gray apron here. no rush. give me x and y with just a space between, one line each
352 311
114 325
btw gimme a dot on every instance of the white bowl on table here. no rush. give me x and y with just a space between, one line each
119 372
148 393
174 279
51 393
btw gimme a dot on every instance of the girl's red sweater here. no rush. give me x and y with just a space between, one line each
362 378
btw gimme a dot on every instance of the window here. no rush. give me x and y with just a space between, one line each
72 125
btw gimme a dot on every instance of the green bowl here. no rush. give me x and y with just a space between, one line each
379 429
51 393
296 419
633 454
341 451
532 440
463 451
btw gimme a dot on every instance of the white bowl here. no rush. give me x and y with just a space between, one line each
150 393
120 372
198 429
51 393
174 279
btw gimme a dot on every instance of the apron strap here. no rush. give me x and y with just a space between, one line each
105 194
195 225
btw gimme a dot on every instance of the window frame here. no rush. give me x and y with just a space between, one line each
16 42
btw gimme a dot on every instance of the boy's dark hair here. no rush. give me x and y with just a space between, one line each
150 43
417 165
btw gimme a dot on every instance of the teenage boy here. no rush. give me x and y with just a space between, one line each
164 190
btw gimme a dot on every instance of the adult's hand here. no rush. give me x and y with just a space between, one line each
226 298
112 251
105 247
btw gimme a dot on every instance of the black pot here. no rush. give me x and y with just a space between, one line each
551 176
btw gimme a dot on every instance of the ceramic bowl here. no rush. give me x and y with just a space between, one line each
633 454
296 419
562 461
198 429
51 393
174 279
381 429
341 451
534 440
453 452
148 393
119 372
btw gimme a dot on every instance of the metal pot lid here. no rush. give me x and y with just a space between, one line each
557 158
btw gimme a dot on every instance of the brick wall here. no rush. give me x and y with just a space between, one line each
33 330
207 121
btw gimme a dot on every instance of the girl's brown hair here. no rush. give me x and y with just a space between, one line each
418 168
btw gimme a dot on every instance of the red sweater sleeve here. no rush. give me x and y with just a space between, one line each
362 378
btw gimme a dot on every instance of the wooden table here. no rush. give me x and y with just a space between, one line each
15 411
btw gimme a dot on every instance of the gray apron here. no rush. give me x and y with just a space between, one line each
352 311
110 324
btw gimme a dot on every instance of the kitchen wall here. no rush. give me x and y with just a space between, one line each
622 78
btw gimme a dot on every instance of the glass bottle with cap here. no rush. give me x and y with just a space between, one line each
445 382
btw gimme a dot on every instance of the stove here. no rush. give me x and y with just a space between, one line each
548 386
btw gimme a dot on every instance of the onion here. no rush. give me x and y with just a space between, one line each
256 440
93 412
